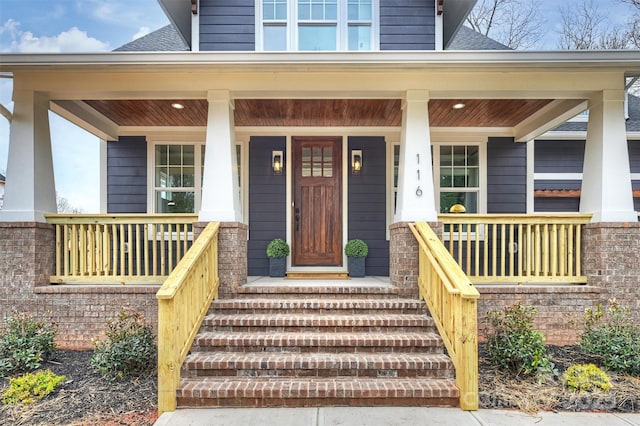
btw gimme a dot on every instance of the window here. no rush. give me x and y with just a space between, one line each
178 177
316 25
458 177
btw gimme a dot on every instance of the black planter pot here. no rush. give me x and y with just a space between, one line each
356 266
277 266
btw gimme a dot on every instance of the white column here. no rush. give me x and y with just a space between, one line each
220 197
30 188
416 196
606 183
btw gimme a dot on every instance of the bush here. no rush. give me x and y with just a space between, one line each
514 345
613 335
356 248
31 387
278 248
585 377
130 348
25 342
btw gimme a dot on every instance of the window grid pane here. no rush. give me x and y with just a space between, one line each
317 10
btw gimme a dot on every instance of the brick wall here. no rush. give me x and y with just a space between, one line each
611 260
232 255
560 307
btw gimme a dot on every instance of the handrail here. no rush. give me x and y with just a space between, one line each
452 302
517 248
183 301
119 247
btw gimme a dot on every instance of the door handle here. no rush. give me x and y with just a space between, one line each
297 218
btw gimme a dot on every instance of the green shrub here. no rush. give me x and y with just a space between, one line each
129 350
585 377
513 344
356 248
31 387
26 341
278 248
613 335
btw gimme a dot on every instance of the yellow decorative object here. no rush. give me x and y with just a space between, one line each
457 208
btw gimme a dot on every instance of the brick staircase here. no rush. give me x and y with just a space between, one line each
317 345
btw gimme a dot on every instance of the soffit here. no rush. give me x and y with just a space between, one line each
320 112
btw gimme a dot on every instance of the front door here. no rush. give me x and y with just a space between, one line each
317 202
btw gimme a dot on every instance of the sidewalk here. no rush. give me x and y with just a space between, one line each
385 416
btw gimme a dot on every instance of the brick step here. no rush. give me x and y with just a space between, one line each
314 322
328 306
322 290
371 342
315 392
437 366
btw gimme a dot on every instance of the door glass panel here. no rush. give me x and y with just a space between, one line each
327 162
306 162
317 161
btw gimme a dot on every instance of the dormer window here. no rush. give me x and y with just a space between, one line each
317 25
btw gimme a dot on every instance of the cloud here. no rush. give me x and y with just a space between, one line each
73 40
143 31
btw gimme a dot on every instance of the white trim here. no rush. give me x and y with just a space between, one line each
104 183
530 184
195 30
578 135
390 192
557 176
439 28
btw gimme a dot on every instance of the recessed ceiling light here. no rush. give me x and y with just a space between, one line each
459 105
177 105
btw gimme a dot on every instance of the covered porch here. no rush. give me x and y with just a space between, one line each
432 130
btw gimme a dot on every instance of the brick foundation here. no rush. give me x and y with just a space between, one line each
611 260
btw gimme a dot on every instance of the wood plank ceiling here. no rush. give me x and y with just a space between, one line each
320 112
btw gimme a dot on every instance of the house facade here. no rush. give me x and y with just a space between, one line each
318 121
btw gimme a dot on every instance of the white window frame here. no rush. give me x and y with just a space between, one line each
152 189
342 26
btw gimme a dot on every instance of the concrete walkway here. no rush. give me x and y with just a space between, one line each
402 416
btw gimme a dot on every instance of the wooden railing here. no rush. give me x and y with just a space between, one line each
183 301
512 248
452 302
120 248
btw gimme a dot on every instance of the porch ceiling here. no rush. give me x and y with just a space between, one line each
320 112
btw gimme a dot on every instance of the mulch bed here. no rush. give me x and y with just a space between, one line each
500 389
88 399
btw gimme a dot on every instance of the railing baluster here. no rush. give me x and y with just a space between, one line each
503 249
138 251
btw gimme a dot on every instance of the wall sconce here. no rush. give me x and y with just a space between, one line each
356 161
277 162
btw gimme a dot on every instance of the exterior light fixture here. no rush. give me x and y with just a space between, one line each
356 161
177 105
277 162
459 105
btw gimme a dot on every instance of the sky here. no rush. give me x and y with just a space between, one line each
101 26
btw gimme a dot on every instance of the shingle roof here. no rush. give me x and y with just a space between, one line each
632 123
468 39
166 39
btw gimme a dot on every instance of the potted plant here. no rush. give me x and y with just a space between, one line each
356 250
277 251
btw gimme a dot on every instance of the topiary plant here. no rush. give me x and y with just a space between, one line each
277 248
31 387
356 248
585 377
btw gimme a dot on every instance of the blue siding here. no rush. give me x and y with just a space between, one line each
267 202
553 156
367 203
127 175
634 155
506 176
407 25
227 26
